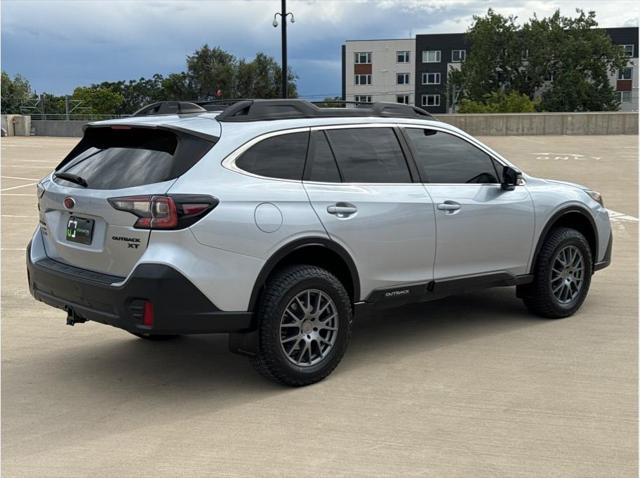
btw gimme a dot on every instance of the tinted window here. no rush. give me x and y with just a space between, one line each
369 155
322 165
280 156
445 158
110 158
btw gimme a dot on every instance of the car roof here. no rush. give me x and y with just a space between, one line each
206 123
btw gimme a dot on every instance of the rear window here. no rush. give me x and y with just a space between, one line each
109 158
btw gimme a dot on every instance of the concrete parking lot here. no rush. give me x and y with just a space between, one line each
466 386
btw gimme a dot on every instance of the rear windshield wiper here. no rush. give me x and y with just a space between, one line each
74 178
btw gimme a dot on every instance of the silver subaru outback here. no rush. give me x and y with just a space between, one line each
277 221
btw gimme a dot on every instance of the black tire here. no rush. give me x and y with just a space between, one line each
280 291
155 337
539 296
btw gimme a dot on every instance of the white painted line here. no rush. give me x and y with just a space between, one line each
18 187
17 177
17 215
18 194
616 216
13 249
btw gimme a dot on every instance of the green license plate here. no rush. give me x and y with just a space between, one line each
80 230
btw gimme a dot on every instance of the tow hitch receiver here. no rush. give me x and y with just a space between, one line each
73 318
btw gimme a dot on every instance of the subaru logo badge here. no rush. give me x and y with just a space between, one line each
69 202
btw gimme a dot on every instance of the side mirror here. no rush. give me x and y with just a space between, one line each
510 178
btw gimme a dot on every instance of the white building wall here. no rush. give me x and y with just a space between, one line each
384 68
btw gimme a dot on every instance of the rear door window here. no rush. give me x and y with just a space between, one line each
321 166
369 155
115 158
280 156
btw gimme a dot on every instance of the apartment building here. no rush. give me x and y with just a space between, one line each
379 70
371 73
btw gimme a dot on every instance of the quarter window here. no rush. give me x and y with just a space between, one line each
402 57
458 56
431 56
445 158
369 155
402 78
362 58
280 156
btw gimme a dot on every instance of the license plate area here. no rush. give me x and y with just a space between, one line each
79 230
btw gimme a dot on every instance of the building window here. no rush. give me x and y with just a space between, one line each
431 78
402 78
430 100
624 96
363 79
628 50
458 56
525 54
362 98
625 73
431 56
402 57
363 58
548 76
404 99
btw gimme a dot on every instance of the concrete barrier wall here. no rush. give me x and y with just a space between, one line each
58 127
514 124
476 124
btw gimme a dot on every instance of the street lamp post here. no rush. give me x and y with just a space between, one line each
283 15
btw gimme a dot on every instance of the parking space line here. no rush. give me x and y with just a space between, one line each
18 177
18 187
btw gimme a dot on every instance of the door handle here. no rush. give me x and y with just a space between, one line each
449 206
342 209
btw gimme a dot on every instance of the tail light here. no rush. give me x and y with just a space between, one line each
165 212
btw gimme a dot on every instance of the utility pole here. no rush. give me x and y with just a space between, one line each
285 73
285 79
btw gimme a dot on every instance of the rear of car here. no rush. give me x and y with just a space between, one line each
97 212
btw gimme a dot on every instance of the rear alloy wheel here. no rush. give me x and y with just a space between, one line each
304 325
562 275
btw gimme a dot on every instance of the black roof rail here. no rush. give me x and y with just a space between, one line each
169 108
265 110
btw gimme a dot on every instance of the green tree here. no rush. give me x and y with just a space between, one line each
100 100
210 70
571 51
494 60
15 92
578 58
499 102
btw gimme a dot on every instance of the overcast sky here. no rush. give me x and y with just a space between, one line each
60 44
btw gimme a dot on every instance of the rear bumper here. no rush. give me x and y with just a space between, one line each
606 260
179 307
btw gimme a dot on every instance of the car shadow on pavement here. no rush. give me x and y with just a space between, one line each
199 365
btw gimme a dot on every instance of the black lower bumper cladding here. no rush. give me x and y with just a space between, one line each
179 307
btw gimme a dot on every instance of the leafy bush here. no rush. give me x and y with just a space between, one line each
499 102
